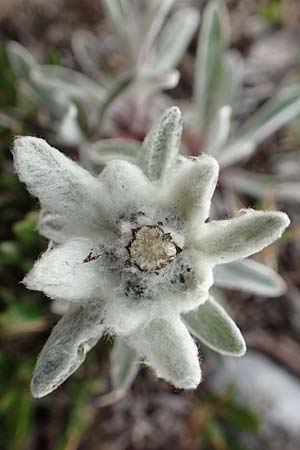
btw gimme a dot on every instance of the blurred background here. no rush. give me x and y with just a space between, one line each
247 403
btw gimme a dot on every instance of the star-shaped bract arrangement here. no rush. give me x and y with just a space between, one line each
133 253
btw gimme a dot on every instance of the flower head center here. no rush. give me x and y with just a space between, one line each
151 248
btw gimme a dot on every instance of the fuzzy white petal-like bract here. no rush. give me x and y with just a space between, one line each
73 336
61 185
71 272
161 145
224 241
193 186
170 350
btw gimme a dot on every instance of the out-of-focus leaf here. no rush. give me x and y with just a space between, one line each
249 276
69 132
124 366
53 57
88 50
219 131
174 39
242 417
116 90
261 186
123 20
272 116
23 65
21 318
158 81
155 14
68 83
98 154
26 229
9 253
80 418
8 84
21 60
212 325
211 63
108 149
215 435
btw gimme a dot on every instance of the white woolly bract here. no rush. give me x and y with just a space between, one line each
73 336
65 272
224 241
171 352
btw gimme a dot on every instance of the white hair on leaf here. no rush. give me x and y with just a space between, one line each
73 336
170 350
70 272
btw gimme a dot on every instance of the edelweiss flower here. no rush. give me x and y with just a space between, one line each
133 254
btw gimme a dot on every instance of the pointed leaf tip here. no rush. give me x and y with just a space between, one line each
229 240
161 145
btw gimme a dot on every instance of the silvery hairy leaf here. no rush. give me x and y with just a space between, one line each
261 186
250 276
272 116
216 135
124 366
101 152
211 324
161 146
229 240
174 39
154 82
90 51
211 63
73 336
23 65
154 16
219 132
69 83
123 19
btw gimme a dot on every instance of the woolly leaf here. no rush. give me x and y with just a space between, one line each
69 83
74 335
60 184
124 365
249 276
174 39
193 186
210 62
211 324
24 65
91 55
155 15
161 145
228 240
21 60
262 186
170 350
105 150
272 116
67 272
123 19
